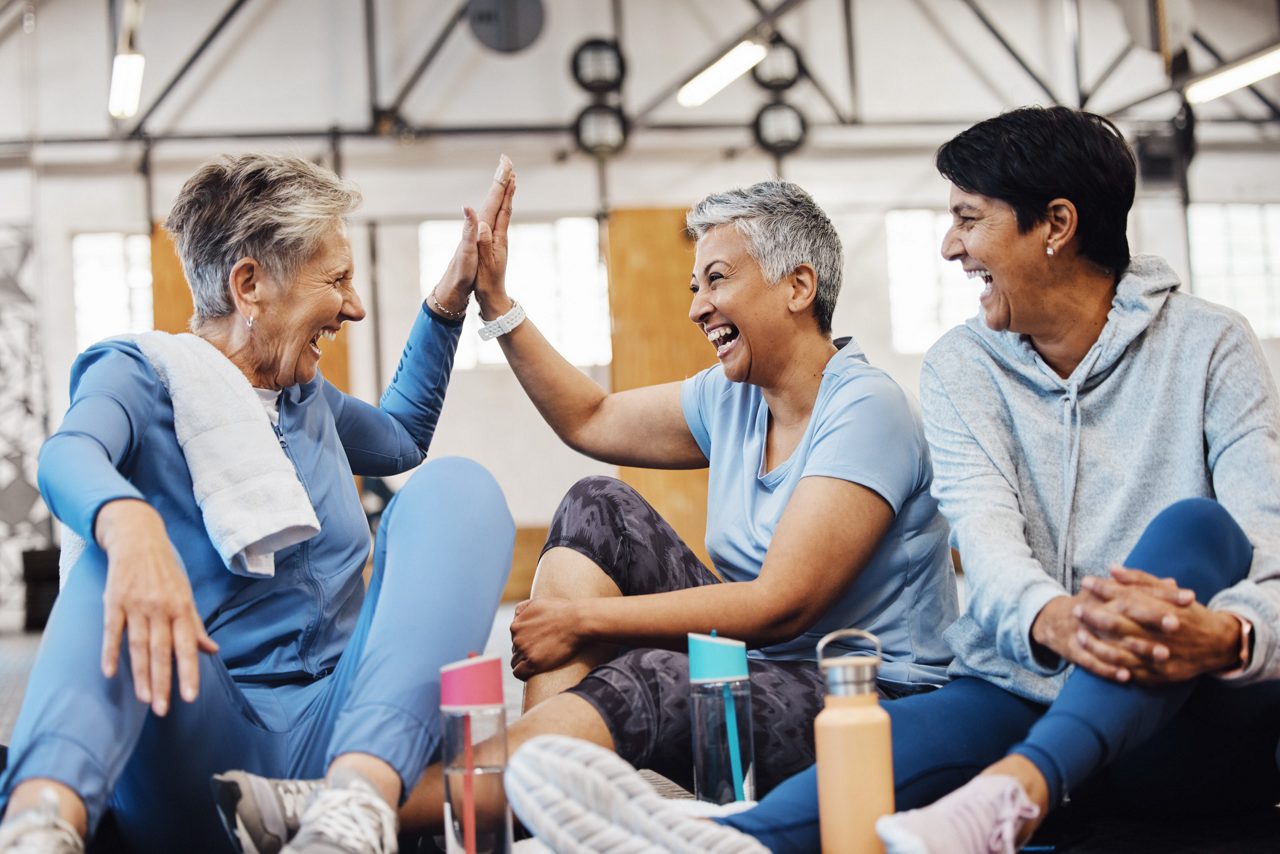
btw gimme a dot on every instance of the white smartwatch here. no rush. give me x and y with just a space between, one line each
504 324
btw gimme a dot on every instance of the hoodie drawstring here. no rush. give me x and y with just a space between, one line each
1073 425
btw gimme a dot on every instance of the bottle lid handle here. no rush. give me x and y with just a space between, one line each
849 633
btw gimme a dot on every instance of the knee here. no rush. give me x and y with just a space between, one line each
595 488
451 487
1196 542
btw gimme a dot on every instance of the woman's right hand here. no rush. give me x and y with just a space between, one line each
491 284
148 596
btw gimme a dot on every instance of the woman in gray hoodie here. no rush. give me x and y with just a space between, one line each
1091 414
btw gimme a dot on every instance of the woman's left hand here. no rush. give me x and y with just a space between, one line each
543 635
1154 629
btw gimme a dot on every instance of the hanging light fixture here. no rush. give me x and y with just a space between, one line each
1234 75
719 74
127 67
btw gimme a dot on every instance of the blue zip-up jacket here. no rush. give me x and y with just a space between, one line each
118 441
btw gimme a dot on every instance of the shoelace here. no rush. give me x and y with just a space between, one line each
293 796
354 820
1012 811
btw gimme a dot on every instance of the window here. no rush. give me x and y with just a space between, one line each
1235 260
556 273
112 274
927 294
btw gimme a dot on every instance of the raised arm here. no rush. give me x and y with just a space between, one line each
639 427
865 460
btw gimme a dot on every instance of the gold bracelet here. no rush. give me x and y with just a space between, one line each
434 302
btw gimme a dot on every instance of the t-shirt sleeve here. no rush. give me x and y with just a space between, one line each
697 398
868 433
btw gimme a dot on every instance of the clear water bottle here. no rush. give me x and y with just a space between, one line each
720 711
477 819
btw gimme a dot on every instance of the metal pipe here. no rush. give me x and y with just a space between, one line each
802 67
458 14
1107 72
766 19
371 58
1009 48
1073 23
235 7
851 60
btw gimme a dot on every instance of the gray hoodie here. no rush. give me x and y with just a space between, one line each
1046 480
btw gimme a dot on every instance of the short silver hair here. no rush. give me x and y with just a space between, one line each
784 228
275 209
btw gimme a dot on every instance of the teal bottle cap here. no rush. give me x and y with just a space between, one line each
716 659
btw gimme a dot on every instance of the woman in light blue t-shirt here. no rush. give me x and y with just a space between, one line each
819 516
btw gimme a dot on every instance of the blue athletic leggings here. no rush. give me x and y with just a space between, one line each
441 560
1200 745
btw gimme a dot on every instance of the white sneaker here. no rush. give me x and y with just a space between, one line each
40 830
345 816
984 816
579 798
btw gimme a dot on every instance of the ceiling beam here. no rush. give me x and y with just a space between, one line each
236 5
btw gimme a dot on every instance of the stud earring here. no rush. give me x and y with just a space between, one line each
1048 250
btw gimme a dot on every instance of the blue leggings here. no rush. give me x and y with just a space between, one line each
441 560
1196 745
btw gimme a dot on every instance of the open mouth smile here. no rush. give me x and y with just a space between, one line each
722 338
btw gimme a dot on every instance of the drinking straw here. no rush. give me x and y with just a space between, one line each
731 731
735 752
468 788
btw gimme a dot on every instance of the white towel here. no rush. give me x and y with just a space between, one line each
247 489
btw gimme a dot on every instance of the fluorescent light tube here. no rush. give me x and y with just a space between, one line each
719 74
1234 75
126 85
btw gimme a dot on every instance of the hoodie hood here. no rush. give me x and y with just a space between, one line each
1140 294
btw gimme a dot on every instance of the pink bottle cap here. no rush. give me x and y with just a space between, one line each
473 683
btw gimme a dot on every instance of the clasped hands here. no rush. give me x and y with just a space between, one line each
1136 627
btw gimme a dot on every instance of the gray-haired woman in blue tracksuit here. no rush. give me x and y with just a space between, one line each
301 674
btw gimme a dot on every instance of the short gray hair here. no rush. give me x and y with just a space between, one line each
784 228
272 208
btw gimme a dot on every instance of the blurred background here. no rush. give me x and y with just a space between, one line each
618 114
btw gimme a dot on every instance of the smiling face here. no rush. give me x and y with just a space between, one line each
291 319
984 238
733 304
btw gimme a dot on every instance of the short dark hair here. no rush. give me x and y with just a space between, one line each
1029 156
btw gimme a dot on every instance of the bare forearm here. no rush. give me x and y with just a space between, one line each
566 398
740 610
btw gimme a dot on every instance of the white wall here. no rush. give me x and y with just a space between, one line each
298 64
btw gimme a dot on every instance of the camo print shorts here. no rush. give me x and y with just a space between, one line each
643 694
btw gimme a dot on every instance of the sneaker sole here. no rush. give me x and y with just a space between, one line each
579 798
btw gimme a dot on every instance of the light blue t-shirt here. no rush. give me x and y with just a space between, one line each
864 429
